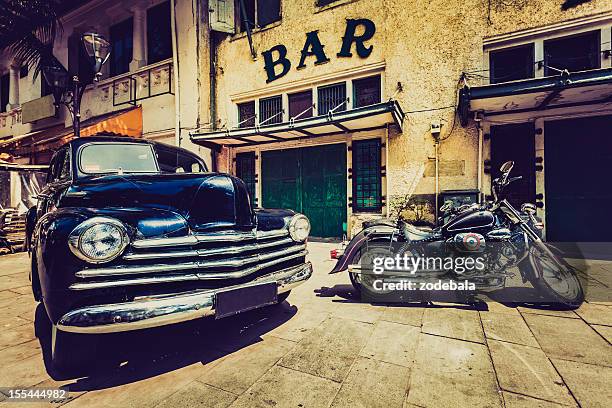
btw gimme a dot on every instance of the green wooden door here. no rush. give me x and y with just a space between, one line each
310 180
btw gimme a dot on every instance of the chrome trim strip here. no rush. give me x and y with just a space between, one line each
232 250
216 237
164 310
136 281
225 263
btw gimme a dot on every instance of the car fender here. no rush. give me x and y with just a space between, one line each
380 231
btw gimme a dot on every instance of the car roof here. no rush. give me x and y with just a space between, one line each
77 142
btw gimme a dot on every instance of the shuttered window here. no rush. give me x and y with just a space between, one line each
367 184
511 64
246 114
245 170
271 110
366 91
332 97
300 104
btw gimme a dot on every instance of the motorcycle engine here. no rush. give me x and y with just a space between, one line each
469 242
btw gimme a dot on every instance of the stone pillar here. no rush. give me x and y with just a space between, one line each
13 88
139 39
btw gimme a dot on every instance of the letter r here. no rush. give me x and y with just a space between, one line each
350 38
271 63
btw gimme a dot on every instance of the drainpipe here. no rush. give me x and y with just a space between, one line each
175 71
437 158
212 62
479 166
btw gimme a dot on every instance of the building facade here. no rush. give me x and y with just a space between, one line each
302 112
348 110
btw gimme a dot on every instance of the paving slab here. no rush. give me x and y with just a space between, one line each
237 371
548 312
605 331
452 373
595 314
283 387
16 354
197 394
507 327
526 370
410 315
372 384
392 343
462 324
521 401
569 339
299 325
590 384
330 349
16 335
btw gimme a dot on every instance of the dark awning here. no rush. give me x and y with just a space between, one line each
359 119
588 91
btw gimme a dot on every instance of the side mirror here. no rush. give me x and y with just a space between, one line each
507 167
528 208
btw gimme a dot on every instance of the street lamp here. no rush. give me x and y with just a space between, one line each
98 50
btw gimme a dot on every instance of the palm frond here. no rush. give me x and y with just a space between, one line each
29 28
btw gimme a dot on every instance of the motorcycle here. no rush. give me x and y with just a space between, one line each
493 233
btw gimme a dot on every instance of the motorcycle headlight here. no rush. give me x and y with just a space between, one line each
299 227
98 239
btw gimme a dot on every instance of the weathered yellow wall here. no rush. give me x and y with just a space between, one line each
426 44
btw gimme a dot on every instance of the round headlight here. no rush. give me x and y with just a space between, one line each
98 240
299 227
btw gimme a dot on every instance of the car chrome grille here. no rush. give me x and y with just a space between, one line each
202 257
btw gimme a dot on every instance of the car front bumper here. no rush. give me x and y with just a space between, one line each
169 309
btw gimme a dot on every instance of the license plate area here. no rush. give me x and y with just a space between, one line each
234 301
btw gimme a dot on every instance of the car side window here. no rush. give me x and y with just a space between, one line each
64 166
177 162
56 166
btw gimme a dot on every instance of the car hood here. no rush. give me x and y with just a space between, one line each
205 201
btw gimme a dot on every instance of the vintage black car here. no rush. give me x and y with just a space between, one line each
131 234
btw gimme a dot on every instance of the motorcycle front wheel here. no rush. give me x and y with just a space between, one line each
555 280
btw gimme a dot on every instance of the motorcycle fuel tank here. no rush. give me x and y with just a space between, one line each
474 220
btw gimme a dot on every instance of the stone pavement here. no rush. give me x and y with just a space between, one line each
324 348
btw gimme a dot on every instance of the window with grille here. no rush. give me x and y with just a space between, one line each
332 97
159 38
367 184
511 64
271 110
300 104
366 91
575 53
246 114
258 13
121 35
245 170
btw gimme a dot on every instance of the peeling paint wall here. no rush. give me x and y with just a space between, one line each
425 44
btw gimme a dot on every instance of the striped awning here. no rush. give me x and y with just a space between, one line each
363 118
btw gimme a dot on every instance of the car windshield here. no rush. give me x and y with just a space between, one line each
117 158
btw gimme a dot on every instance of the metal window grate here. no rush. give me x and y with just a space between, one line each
367 185
271 110
246 114
332 97
245 170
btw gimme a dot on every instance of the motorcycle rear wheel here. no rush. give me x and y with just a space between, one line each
555 280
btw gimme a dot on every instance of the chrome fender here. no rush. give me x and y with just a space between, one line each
374 232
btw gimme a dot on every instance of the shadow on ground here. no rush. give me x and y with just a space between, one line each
133 356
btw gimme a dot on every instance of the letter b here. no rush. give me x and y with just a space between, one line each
271 63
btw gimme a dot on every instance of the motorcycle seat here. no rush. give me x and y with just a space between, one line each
413 233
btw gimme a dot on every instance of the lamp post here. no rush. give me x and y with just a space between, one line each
98 51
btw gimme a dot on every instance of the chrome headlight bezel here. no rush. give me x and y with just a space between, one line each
74 239
293 225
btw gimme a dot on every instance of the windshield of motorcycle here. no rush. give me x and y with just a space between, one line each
99 158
